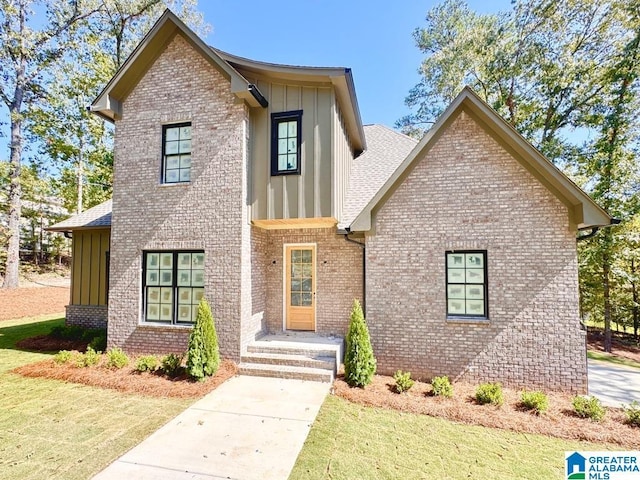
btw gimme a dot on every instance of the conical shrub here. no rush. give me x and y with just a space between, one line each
359 362
203 355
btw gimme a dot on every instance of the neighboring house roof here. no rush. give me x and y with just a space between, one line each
96 217
583 211
386 149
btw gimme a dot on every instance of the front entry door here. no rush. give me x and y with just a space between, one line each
300 288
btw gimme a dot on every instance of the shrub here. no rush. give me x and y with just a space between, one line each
67 332
403 381
172 365
147 363
632 411
489 393
89 358
99 342
63 356
537 401
116 358
588 407
359 362
441 387
203 355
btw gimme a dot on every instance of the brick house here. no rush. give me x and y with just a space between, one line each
257 186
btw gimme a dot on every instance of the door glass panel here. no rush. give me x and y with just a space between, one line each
301 282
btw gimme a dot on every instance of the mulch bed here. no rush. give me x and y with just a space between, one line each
128 380
559 421
31 302
47 343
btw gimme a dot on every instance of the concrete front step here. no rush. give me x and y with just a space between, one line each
294 360
286 371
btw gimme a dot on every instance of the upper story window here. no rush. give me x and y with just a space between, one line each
176 153
467 284
286 137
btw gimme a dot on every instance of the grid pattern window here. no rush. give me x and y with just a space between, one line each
176 152
467 284
286 138
173 285
301 278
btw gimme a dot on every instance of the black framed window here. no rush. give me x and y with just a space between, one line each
176 153
467 284
286 139
173 285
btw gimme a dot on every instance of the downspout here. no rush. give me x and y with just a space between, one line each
364 268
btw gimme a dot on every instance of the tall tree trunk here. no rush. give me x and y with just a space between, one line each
15 203
634 297
606 275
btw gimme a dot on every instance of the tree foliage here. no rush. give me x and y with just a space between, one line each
359 362
565 75
203 356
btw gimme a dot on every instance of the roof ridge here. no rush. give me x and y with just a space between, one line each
391 130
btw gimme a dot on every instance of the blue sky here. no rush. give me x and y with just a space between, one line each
373 38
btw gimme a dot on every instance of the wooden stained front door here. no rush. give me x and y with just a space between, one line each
300 288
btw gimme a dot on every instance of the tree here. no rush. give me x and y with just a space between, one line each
551 69
27 54
359 362
203 357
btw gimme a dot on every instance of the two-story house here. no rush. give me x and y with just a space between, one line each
257 186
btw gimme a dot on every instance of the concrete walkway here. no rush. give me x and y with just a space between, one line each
614 384
248 428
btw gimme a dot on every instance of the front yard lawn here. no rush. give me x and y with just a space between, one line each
349 441
51 429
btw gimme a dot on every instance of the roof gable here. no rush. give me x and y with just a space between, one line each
108 104
583 211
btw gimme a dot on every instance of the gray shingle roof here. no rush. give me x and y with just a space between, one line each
386 149
96 217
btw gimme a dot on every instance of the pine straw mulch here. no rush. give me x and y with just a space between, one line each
47 343
128 380
559 421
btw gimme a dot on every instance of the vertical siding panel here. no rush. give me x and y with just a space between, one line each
309 173
85 267
260 162
104 248
324 151
276 192
292 102
76 274
96 269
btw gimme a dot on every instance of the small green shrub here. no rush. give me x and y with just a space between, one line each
632 411
203 355
588 407
489 393
99 343
359 362
116 358
172 365
67 332
403 381
89 358
63 356
441 387
147 363
537 401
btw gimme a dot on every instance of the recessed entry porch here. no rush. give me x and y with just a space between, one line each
299 355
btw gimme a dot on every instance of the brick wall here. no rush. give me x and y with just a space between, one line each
338 280
205 214
87 316
469 193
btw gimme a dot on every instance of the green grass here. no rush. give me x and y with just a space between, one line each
56 430
350 441
612 358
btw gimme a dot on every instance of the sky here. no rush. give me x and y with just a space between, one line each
373 38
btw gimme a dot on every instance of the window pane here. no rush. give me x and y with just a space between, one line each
455 275
197 294
184 278
171 148
166 277
292 129
197 278
282 130
153 312
455 307
185 175
171 176
184 313
198 260
153 295
172 133
153 277
475 307
292 162
292 145
185 161
153 260
185 146
166 260
184 295
475 275
184 261
282 162
185 132
475 260
474 292
282 146
455 260
455 291
173 162
166 295
165 313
